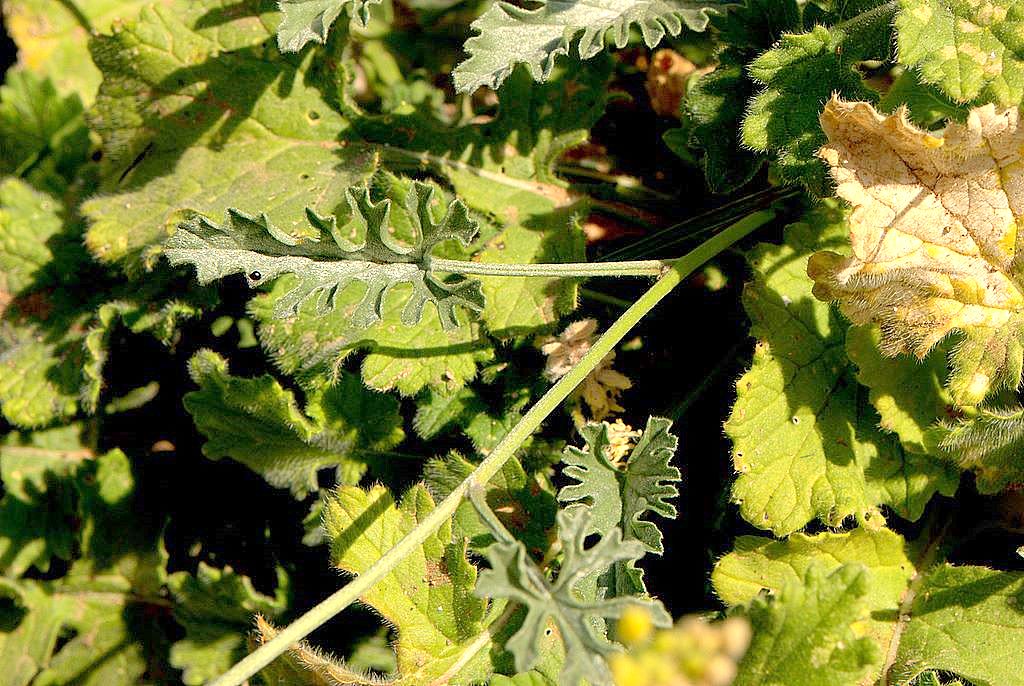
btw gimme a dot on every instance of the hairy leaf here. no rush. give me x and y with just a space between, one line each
987 441
759 565
258 423
510 35
100 605
427 597
194 115
968 621
620 495
513 575
37 508
44 134
803 634
717 101
805 442
934 234
308 21
971 50
216 607
327 263
799 75
52 38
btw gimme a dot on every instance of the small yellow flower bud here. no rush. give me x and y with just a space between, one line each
635 626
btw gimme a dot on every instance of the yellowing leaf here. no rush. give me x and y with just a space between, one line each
934 237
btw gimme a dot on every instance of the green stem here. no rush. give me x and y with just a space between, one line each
493 463
560 270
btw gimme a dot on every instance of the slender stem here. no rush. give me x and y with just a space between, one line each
562 269
493 463
601 297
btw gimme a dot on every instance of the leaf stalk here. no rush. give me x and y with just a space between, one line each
492 464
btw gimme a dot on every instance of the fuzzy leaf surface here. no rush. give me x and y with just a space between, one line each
216 607
980 57
194 114
805 441
259 423
513 575
327 263
509 35
803 634
934 236
428 597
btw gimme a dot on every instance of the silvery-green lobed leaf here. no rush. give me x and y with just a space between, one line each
326 264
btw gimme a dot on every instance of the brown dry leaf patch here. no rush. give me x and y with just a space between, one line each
934 232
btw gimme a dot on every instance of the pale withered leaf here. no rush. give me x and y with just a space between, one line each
934 237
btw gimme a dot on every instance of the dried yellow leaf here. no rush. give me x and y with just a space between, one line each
935 238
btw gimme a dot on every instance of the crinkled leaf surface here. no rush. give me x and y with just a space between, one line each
37 510
200 114
970 50
717 101
513 575
306 21
799 75
935 240
44 135
258 423
805 441
102 600
803 635
968 621
216 607
909 394
758 564
326 264
510 35
52 38
427 597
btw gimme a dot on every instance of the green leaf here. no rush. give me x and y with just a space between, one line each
258 423
29 219
927 105
100 607
971 51
306 21
514 576
52 38
619 496
216 608
44 134
212 124
717 100
987 440
799 75
965 620
805 442
37 508
759 564
313 343
509 35
325 264
909 394
524 503
803 634
427 597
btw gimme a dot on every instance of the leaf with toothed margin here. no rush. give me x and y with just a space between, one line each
515 576
325 265
510 35
308 21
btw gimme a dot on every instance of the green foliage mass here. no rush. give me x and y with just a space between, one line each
356 249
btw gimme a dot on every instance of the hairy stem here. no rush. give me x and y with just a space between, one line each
493 463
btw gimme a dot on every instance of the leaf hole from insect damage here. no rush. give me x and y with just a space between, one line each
313 115
304 176
255 275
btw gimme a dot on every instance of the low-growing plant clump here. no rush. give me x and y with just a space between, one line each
391 341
